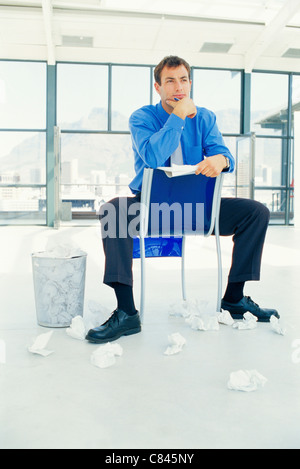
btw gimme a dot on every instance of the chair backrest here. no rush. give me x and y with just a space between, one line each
180 205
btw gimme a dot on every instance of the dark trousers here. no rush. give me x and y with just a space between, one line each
244 219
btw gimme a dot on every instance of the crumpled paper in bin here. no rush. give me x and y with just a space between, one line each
246 380
57 248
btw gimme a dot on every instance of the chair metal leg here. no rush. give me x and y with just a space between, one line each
219 299
217 235
143 258
183 284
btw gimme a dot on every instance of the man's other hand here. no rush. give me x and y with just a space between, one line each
212 166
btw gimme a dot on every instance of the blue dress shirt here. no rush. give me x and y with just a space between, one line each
156 135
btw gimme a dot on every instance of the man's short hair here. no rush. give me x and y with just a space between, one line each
172 61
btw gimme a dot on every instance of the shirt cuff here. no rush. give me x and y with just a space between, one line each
175 123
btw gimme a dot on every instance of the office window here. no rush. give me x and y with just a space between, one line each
87 182
296 90
23 158
269 104
22 205
270 162
219 91
23 142
276 201
22 95
229 181
22 172
82 97
130 91
295 98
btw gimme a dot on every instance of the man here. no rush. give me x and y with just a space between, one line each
176 131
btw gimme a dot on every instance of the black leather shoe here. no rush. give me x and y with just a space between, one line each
237 310
119 324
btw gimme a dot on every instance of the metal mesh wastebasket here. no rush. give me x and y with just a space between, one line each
59 286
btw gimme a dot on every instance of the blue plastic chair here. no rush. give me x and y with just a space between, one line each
197 201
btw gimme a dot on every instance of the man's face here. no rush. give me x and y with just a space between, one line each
175 83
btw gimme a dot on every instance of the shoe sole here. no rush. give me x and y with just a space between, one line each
112 339
240 315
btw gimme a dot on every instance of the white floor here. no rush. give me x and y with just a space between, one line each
147 399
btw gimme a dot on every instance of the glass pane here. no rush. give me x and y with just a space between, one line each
23 158
275 200
291 208
292 165
24 205
296 90
229 180
219 91
22 95
270 162
130 91
82 97
295 98
269 103
106 173
244 167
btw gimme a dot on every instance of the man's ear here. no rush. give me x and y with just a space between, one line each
157 87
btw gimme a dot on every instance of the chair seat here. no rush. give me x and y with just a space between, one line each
158 247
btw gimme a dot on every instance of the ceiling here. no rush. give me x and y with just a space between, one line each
241 34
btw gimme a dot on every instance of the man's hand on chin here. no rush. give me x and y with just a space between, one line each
183 108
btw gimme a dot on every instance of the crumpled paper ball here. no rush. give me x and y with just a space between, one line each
203 323
246 380
224 317
187 308
39 345
249 322
276 326
176 342
105 355
77 329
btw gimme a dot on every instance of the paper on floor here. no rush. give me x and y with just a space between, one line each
225 317
276 326
246 380
105 355
176 344
77 329
203 323
187 308
38 346
196 315
249 322
94 317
